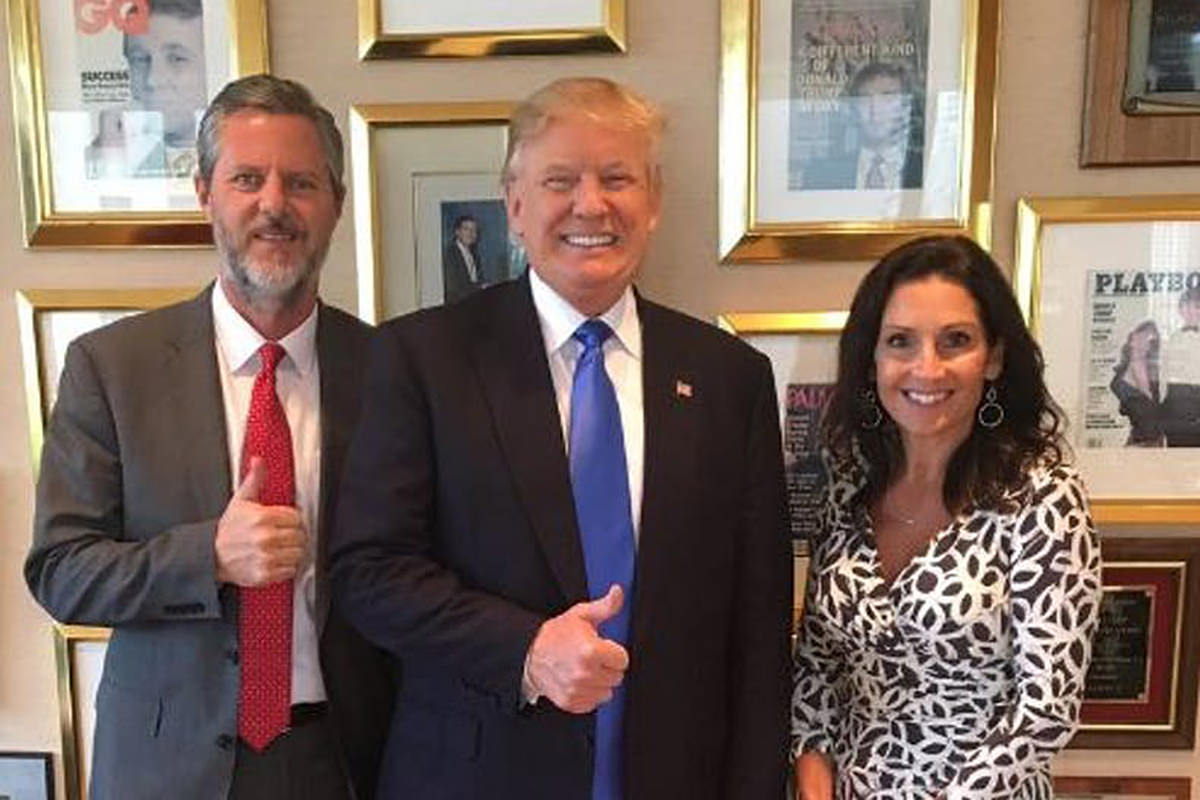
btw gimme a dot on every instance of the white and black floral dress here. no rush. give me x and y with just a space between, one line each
962 678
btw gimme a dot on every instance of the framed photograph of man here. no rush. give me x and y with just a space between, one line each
848 126
463 28
49 319
26 776
1140 689
462 236
1111 289
1141 99
108 95
803 352
1073 787
418 167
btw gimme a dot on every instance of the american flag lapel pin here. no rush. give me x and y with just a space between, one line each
683 389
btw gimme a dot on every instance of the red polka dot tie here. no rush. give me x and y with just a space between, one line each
265 612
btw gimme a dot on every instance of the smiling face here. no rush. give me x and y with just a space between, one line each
584 200
931 360
273 207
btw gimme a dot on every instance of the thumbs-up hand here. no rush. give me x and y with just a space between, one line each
257 545
570 664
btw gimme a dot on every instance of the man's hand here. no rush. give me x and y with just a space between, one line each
570 664
256 544
814 777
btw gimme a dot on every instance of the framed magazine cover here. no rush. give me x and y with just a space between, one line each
79 661
106 97
1108 285
1075 787
464 28
802 348
849 126
49 319
1141 100
423 175
1140 690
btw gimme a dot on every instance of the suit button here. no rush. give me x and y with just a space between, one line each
231 655
224 741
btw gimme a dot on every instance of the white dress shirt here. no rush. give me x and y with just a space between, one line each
469 260
891 164
298 385
1181 357
622 361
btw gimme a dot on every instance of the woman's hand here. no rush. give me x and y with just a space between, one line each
814 777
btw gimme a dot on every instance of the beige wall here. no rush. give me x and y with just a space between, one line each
673 47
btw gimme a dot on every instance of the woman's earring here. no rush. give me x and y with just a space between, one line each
990 413
872 413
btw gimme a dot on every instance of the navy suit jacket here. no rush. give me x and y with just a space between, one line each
456 539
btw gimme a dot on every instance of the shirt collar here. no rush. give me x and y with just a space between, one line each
559 318
239 341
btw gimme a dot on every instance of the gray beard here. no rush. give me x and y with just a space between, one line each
279 289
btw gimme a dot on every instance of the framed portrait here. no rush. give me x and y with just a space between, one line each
106 141
850 126
1140 690
49 319
26 776
79 660
463 28
1142 99
429 222
1114 788
802 348
1111 289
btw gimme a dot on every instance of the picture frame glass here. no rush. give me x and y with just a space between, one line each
1119 351
25 776
860 111
124 91
1164 58
55 329
483 16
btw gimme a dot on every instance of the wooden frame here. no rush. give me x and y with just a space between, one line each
46 221
605 33
1165 717
748 234
1105 225
1110 136
432 138
1113 788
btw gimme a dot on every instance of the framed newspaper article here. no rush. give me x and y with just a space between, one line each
463 28
1111 289
849 126
803 352
79 660
1117 788
50 319
429 220
1140 690
107 96
1142 97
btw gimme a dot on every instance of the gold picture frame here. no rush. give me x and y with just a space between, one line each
1063 243
760 221
35 306
154 219
793 340
79 659
602 32
394 148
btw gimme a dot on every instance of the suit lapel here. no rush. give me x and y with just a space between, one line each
192 382
510 358
672 399
336 358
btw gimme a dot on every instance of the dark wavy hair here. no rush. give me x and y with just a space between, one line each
990 463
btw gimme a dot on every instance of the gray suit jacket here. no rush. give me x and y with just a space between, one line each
134 477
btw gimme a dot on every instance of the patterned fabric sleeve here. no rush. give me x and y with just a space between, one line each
1055 593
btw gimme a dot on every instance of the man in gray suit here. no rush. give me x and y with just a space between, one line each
149 515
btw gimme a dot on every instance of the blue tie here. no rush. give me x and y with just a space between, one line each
600 484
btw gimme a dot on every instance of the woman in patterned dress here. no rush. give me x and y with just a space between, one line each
955 584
